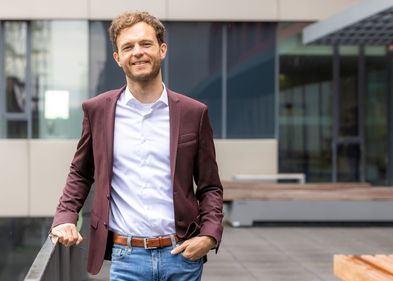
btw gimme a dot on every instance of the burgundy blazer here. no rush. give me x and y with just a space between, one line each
192 156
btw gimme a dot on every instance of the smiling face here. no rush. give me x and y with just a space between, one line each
139 53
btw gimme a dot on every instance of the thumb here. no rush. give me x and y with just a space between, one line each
179 248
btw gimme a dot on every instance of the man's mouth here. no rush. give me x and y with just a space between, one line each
139 62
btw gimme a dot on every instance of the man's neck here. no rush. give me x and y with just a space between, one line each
146 92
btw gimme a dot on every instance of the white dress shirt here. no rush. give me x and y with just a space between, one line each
142 192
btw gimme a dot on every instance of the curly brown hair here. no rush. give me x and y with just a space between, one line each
128 19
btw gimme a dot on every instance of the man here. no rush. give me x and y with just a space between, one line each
144 145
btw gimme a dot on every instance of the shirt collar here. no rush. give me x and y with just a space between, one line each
129 97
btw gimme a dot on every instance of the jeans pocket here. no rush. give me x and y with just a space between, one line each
118 253
188 260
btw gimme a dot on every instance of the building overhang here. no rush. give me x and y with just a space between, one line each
365 23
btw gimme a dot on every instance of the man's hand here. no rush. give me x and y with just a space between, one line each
67 234
195 248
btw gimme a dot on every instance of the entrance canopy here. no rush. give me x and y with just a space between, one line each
365 23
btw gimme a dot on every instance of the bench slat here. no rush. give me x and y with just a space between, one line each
250 194
381 261
352 268
331 191
387 258
307 186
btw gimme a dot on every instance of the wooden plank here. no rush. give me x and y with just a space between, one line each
250 194
331 191
285 186
381 261
351 268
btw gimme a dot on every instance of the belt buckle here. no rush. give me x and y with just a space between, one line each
146 246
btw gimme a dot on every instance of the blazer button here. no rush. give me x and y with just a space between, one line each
106 225
108 197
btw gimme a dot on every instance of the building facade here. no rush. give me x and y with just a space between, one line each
272 99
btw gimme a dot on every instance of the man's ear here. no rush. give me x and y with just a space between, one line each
163 50
116 58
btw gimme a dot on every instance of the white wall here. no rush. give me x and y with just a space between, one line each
236 157
14 178
216 10
33 172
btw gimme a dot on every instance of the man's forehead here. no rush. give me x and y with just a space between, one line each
138 32
140 29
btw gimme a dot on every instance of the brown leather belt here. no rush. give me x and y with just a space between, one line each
147 243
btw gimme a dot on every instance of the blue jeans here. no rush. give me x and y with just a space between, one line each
140 264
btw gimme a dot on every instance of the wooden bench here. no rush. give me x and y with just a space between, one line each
249 202
363 268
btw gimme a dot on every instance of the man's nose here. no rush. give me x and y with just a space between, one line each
138 51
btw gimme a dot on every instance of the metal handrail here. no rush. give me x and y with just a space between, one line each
41 262
54 263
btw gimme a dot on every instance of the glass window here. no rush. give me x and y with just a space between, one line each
195 65
251 80
16 129
15 53
348 158
104 73
15 35
349 104
2 127
59 77
375 121
305 106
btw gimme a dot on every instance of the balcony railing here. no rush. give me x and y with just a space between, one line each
55 262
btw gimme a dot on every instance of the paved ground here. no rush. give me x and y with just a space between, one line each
288 253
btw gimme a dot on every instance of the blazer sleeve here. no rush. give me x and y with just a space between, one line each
209 189
79 179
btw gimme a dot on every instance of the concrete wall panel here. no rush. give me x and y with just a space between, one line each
222 10
14 178
43 9
178 10
34 172
103 9
311 10
49 165
246 157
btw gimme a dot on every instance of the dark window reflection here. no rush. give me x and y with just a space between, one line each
251 80
15 35
104 73
305 116
348 158
195 65
305 106
17 129
376 127
348 110
20 241
194 68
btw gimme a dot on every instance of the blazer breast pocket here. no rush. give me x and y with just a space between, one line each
187 138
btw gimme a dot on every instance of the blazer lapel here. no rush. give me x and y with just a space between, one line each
174 125
109 126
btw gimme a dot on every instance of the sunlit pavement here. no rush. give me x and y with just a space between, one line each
291 253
